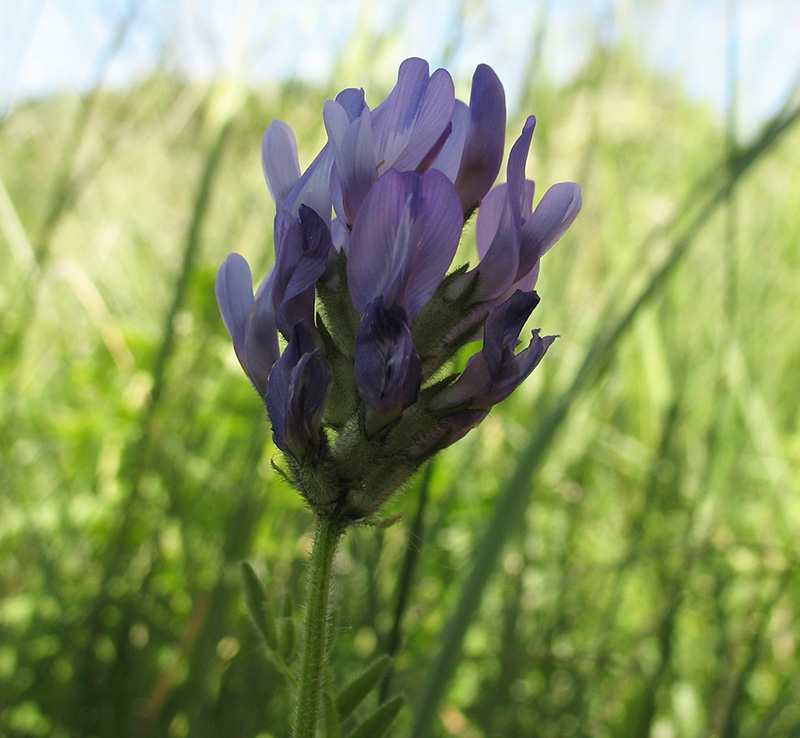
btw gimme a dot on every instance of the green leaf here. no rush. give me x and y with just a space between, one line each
258 606
377 724
330 716
354 693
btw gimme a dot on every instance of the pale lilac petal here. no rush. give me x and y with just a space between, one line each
393 119
340 234
234 291
380 239
554 214
354 154
279 160
528 282
352 101
497 239
431 119
313 188
490 214
449 158
436 231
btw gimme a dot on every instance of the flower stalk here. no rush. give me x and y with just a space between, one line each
313 657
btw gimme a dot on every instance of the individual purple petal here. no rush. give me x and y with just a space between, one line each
380 239
234 291
452 429
314 186
354 154
352 101
528 282
279 160
403 240
515 172
261 348
393 119
485 138
497 239
436 232
388 369
435 150
312 189
301 261
554 214
431 120
449 159
408 124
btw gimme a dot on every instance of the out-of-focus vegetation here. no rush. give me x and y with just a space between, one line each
651 587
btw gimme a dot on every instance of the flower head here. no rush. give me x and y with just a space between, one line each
360 290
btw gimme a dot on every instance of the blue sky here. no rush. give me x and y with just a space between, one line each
51 44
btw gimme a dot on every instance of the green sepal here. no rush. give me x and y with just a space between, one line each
288 628
450 305
330 718
281 472
338 313
258 606
354 693
343 399
378 724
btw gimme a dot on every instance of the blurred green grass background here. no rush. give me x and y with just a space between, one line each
645 580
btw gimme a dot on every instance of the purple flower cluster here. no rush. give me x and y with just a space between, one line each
360 290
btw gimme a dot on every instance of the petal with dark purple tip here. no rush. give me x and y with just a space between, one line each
310 384
301 261
496 371
298 387
388 369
